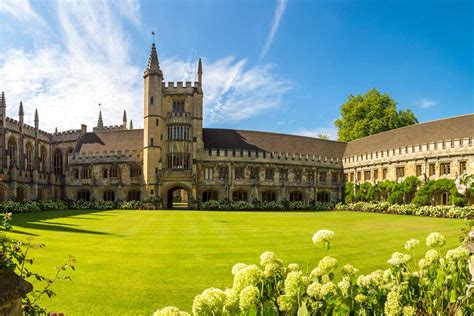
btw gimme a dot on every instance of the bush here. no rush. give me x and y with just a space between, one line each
436 285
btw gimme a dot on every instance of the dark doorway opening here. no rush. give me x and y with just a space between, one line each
177 197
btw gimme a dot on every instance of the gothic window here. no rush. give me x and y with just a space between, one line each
58 162
240 195
359 176
297 174
223 173
85 173
135 171
418 170
133 195
239 173
75 173
43 158
322 197
209 195
296 196
335 177
432 169
367 175
208 173
114 171
178 161
105 173
322 177
351 176
310 176
29 156
151 141
84 195
109 195
179 133
12 150
254 173
283 174
178 106
445 168
268 196
400 172
462 167
269 174
151 100
376 174
384 173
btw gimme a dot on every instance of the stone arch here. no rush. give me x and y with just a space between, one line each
109 195
171 193
21 193
269 196
3 193
323 196
12 147
240 195
296 195
84 194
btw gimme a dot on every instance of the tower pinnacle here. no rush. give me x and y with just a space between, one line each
36 115
21 112
153 67
124 119
200 71
100 121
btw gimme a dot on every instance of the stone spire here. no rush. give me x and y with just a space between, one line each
3 102
131 125
21 113
200 71
153 67
36 119
100 121
124 119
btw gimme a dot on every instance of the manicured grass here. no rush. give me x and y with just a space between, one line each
133 262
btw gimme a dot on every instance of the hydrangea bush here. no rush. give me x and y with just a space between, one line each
449 211
437 284
49 205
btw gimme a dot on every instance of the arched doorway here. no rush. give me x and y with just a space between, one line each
177 197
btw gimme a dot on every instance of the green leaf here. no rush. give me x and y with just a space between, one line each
270 309
253 311
303 310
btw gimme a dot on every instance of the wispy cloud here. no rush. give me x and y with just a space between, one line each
21 10
426 103
279 10
89 62
329 131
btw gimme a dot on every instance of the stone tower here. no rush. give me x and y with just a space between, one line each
153 123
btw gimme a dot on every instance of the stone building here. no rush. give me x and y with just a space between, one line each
174 152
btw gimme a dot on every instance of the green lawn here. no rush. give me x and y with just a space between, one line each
133 262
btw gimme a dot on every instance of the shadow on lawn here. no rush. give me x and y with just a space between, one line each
39 221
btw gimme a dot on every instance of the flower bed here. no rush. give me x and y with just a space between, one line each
436 284
450 211
264 205
48 205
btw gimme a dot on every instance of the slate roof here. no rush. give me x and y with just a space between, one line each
422 133
110 140
271 142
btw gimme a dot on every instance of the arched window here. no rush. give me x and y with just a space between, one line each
109 195
43 159
296 196
85 172
134 195
322 197
240 195
58 162
105 173
29 156
3 195
84 195
12 151
135 171
21 194
209 195
268 196
114 171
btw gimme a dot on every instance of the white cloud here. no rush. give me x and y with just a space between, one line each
329 131
90 64
279 10
426 103
20 9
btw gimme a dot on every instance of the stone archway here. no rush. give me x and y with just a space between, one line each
178 196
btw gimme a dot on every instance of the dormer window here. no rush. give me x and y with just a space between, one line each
178 106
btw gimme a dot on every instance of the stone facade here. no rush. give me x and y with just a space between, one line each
173 151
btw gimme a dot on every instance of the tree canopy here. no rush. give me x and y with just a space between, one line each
371 113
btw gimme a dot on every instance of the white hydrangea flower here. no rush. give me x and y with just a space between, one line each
349 269
323 235
267 257
272 270
398 259
409 311
249 275
431 256
457 254
411 244
328 288
435 240
361 298
316 272
170 311
392 305
248 297
314 290
237 267
422 264
344 285
231 303
327 264
210 302
294 282
293 267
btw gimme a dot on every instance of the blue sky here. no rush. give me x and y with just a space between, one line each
283 66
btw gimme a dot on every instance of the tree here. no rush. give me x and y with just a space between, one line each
371 113
323 136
